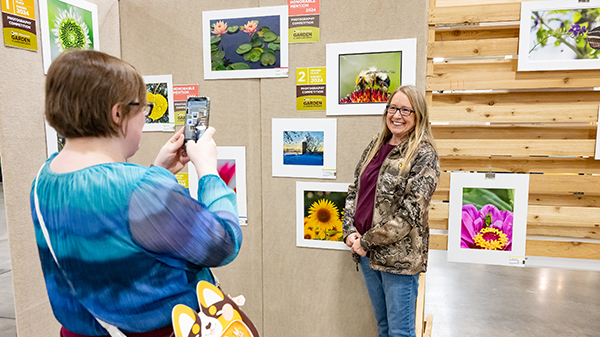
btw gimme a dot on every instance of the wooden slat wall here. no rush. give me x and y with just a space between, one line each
540 122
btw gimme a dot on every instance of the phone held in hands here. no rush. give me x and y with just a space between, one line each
196 117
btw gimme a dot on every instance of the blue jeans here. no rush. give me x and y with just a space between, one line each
393 298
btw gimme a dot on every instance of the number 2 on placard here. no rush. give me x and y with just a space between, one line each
302 76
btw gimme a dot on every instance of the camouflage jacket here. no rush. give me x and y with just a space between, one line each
398 241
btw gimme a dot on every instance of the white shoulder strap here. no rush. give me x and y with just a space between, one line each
112 330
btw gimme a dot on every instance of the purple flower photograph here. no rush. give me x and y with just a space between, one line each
487 219
488 228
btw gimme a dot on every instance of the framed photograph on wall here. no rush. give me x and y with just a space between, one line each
67 24
487 220
231 165
304 147
360 75
559 35
319 214
245 43
160 93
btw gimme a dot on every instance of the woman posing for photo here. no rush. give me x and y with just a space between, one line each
386 216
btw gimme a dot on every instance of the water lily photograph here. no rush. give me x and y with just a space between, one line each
160 93
245 43
67 24
556 35
487 220
320 211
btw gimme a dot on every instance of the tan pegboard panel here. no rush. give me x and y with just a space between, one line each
162 40
317 281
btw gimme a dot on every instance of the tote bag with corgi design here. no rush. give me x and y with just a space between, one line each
219 316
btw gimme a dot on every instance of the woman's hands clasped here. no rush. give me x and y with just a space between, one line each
353 241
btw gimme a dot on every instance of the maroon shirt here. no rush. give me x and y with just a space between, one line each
363 216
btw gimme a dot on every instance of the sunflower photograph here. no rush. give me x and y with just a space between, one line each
320 214
67 24
323 215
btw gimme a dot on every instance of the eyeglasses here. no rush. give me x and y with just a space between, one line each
147 108
403 111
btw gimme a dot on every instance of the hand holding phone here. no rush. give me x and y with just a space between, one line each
196 117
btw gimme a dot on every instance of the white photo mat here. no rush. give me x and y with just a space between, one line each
408 47
168 127
326 125
302 187
281 71
461 180
46 32
238 154
553 57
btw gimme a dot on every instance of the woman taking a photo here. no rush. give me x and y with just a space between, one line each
386 215
122 243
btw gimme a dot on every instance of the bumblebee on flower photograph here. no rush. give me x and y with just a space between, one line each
67 24
320 212
487 218
369 77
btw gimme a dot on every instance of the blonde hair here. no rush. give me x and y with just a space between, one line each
421 131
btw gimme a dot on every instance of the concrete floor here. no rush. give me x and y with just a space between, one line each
464 299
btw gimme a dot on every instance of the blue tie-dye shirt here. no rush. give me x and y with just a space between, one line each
132 241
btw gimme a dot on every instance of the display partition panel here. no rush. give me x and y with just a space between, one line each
67 24
559 35
231 166
245 43
319 214
488 218
304 147
361 75
160 93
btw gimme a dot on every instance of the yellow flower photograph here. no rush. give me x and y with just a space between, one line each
320 214
323 211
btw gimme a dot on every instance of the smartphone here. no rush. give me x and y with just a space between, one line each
196 117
